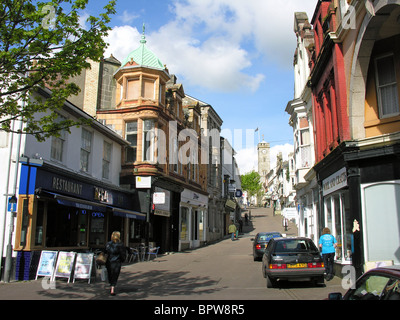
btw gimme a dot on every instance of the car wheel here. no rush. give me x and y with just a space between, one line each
263 271
270 282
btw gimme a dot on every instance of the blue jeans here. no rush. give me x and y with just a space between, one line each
233 236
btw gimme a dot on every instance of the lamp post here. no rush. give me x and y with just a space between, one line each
8 265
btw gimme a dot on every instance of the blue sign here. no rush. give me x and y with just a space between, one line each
12 207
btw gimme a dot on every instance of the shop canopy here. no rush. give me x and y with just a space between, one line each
93 206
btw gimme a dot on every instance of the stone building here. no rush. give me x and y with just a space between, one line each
164 147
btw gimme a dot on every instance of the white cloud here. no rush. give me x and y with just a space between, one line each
122 41
211 43
247 158
274 151
127 17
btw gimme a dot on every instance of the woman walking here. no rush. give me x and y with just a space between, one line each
116 255
328 244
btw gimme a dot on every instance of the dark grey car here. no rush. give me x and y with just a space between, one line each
294 258
260 242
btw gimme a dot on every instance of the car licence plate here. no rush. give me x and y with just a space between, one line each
297 265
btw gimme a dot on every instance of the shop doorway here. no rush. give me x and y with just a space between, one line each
116 224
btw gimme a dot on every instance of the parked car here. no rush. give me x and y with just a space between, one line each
295 258
377 284
260 242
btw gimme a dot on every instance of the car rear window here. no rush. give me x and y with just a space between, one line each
267 237
295 245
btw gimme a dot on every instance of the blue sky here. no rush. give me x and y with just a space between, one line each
235 55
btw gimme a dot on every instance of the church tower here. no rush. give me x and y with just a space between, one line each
263 149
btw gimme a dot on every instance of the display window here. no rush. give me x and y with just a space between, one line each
59 226
184 232
337 219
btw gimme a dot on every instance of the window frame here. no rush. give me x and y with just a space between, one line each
131 147
86 150
62 138
383 115
106 161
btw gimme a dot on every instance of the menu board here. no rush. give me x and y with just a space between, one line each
65 263
83 266
46 264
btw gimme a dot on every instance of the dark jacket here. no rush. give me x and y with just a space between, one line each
116 251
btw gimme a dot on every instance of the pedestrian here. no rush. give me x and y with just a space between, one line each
328 244
232 230
246 219
116 255
285 223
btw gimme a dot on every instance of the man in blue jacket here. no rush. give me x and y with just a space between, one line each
328 244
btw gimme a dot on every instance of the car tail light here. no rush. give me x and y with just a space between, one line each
315 265
258 246
278 266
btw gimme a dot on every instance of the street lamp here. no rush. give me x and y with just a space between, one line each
8 265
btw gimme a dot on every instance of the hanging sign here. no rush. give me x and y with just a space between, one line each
46 264
65 262
159 198
143 182
83 266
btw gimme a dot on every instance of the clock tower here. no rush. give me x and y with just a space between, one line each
263 160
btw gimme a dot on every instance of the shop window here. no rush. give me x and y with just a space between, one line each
25 221
86 147
382 215
39 223
338 225
201 225
97 229
107 147
66 226
184 224
386 84
131 135
338 220
136 231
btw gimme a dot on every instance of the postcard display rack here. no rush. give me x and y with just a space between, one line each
62 264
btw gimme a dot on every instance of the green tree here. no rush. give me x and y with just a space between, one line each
251 183
44 45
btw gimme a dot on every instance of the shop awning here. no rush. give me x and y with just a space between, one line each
128 214
75 202
93 206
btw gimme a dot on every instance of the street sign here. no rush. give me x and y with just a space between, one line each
12 206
